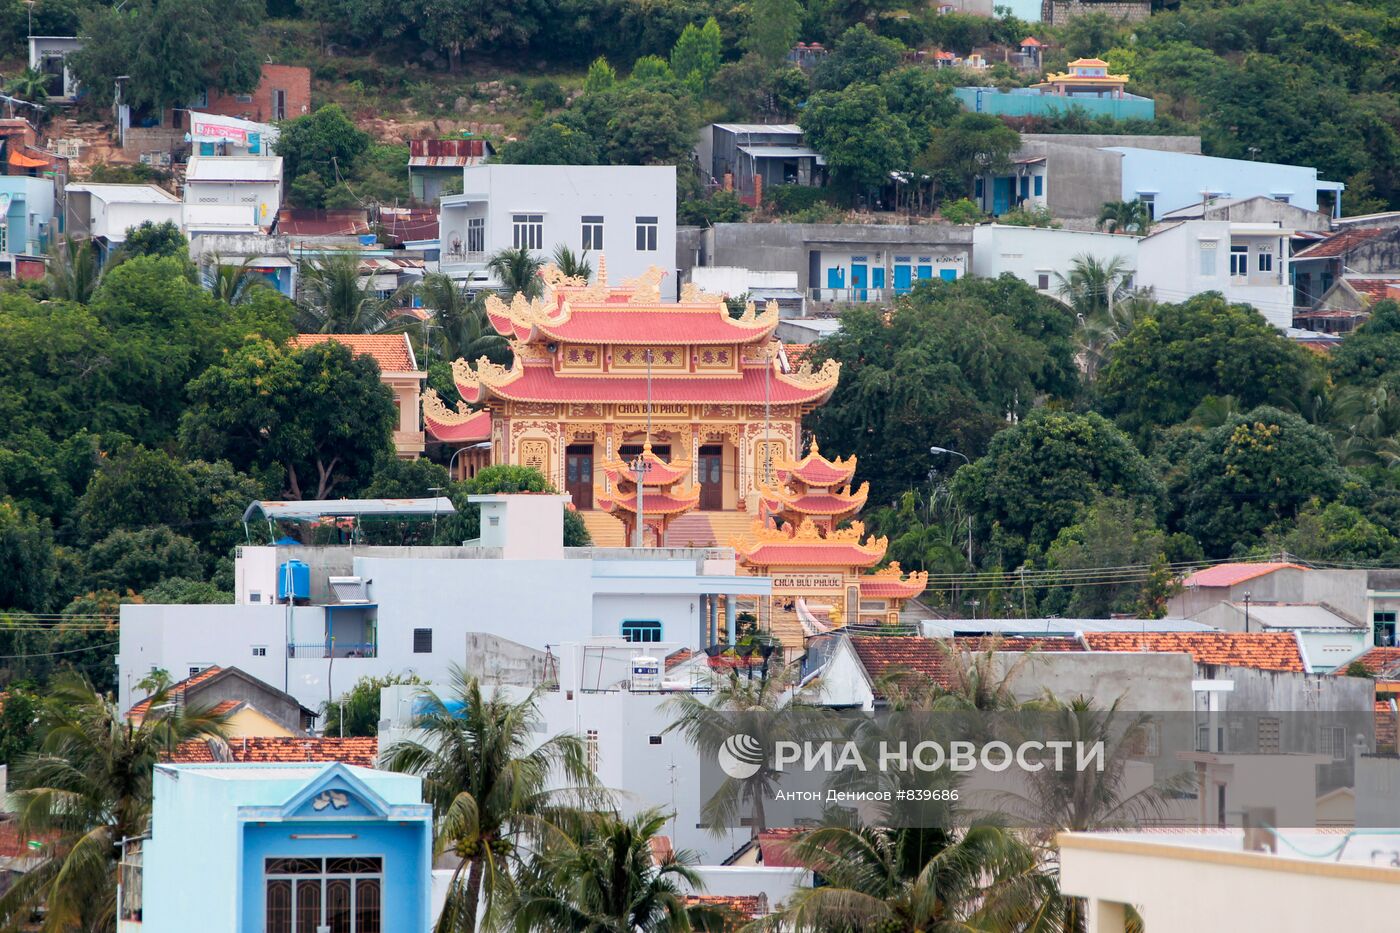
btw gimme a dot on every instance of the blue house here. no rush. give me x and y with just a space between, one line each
26 214
282 848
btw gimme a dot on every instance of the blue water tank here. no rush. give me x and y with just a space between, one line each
296 576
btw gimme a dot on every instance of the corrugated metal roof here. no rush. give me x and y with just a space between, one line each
792 128
127 194
780 152
311 509
234 168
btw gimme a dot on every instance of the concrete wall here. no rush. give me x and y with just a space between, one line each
1344 591
1036 254
230 686
1079 179
1059 12
1378 254
1149 682
1177 180
1194 256
263 197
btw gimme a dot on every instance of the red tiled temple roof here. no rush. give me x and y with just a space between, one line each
808 546
1265 651
655 503
816 470
281 749
659 472
391 351
876 588
1231 574
819 503
650 327
462 426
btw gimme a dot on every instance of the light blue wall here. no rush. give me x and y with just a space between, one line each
31 204
203 863
1179 178
1030 104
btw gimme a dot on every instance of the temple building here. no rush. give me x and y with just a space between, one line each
1085 76
818 568
662 499
601 370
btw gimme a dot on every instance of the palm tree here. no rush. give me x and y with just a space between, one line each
1366 426
31 85
337 299
232 285
487 779
74 272
746 706
1106 307
574 266
87 788
601 876
1125 217
911 880
518 271
460 327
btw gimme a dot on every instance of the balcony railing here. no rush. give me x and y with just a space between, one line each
462 255
310 650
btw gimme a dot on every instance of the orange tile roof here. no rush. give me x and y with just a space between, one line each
1373 289
390 351
677 658
1376 661
1231 574
880 654
1339 243
775 845
177 692
1265 651
743 906
282 749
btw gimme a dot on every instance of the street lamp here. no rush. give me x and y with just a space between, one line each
944 450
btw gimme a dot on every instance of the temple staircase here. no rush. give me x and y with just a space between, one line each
605 530
708 529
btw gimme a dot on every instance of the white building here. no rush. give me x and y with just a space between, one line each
382 610
48 55
106 212
253 182
1246 262
1039 256
1211 881
625 212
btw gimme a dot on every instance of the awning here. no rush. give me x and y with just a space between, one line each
212 127
20 160
313 509
779 152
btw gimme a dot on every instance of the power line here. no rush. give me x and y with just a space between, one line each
54 654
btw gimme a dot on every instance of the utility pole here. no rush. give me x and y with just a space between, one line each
1247 597
639 469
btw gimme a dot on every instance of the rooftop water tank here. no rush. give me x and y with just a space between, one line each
294 580
646 674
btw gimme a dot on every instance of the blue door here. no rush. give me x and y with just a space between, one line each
1001 195
948 275
835 278
858 281
925 272
877 277
902 279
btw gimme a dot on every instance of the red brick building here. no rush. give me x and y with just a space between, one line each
283 93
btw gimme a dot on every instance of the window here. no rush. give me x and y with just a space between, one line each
1239 261
194 669
646 234
1208 257
243 98
422 641
340 895
593 232
1202 737
279 105
260 651
1383 629
1333 741
590 749
1042 281
1039 185
1284 198
654 740
476 234
1149 203
1266 261
641 630
255 597
529 231
1267 732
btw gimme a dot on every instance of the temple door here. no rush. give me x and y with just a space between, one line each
578 474
712 478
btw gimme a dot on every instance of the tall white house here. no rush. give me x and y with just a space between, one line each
1042 256
624 212
252 183
1246 262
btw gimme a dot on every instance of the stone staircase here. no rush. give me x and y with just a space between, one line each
605 530
708 529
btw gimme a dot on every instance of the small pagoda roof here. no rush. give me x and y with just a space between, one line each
842 502
659 472
572 311
540 383
806 546
816 470
891 583
460 426
672 502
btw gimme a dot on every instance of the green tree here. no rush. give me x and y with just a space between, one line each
221 495
58 369
356 711
27 563
651 68
1255 471
970 146
489 778
555 142
602 876
574 265
182 591
337 299
170 51
1372 352
31 85
19 719
772 28
1125 217
518 271
459 27
325 142
460 329
407 479
136 488
1091 34
862 140
233 285
74 270
319 417
89 785
1336 533
155 239
465 524
1178 354
1039 474
948 367
697 55
859 56
1103 303
601 76
1108 533
137 560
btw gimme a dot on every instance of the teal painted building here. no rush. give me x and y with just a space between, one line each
26 214
282 848
1031 102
